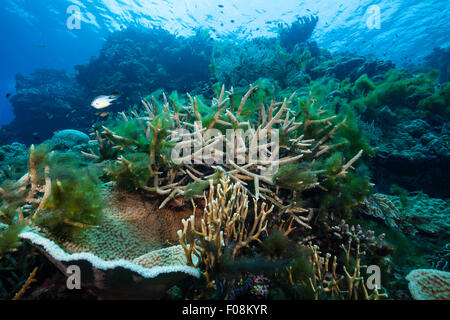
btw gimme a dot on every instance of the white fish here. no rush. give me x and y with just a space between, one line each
104 101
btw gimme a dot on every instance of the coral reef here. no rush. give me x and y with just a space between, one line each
424 215
441 259
13 161
131 63
353 67
307 134
68 139
148 196
297 32
217 240
394 103
223 230
144 61
46 101
429 284
127 243
439 59
413 156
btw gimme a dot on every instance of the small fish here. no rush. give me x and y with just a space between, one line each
104 101
104 114
176 203
41 45
8 95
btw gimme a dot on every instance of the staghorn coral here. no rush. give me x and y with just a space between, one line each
429 284
16 265
325 280
26 285
224 226
314 275
146 139
219 235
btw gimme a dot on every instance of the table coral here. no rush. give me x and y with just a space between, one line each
128 255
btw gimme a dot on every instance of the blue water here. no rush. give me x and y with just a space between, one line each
35 35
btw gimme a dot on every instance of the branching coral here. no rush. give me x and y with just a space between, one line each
26 285
329 280
366 239
224 226
221 234
150 138
286 153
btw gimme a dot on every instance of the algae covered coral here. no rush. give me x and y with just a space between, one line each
160 174
265 169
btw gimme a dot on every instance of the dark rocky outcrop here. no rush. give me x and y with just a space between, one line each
46 101
417 158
